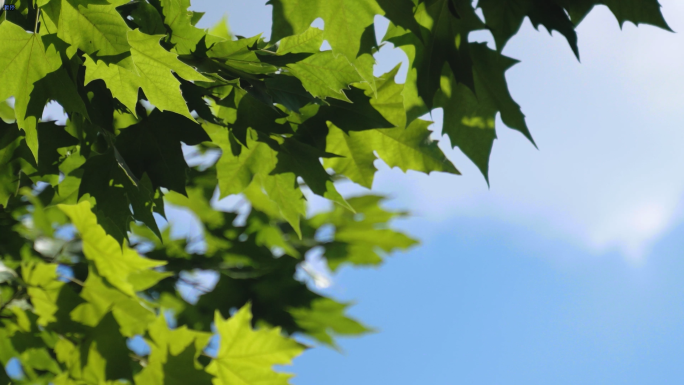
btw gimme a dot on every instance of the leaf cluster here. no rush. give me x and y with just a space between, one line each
95 289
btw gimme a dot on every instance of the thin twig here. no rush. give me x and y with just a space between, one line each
18 183
195 285
74 280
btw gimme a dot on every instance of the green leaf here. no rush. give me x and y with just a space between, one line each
400 13
345 21
407 148
173 359
148 67
325 75
268 234
198 204
303 161
4 378
101 356
119 265
490 68
39 359
240 55
260 117
469 118
92 27
246 356
235 173
505 17
32 73
356 155
255 163
365 111
282 189
221 29
105 353
106 179
412 149
634 11
146 16
51 139
131 315
153 147
44 288
449 23
307 41
154 64
412 45
288 91
7 112
553 17
360 239
195 17
184 35
469 121
326 318
10 139
121 81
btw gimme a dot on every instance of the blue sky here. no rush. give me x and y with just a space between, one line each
568 270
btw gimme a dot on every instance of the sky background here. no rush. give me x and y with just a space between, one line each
569 269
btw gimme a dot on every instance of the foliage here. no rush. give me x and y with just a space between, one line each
86 272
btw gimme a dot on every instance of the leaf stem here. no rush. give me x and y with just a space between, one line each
74 280
18 183
35 27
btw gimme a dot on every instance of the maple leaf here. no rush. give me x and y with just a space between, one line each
303 160
325 318
101 298
325 75
345 21
107 178
246 356
505 18
120 266
147 18
288 91
307 41
254 164
91 27
361 239
31 72
153 147
236 172
184 35
469 117
634 11
148 67
173 358
399 146
407 148
447 24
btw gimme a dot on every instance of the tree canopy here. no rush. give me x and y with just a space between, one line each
95 290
